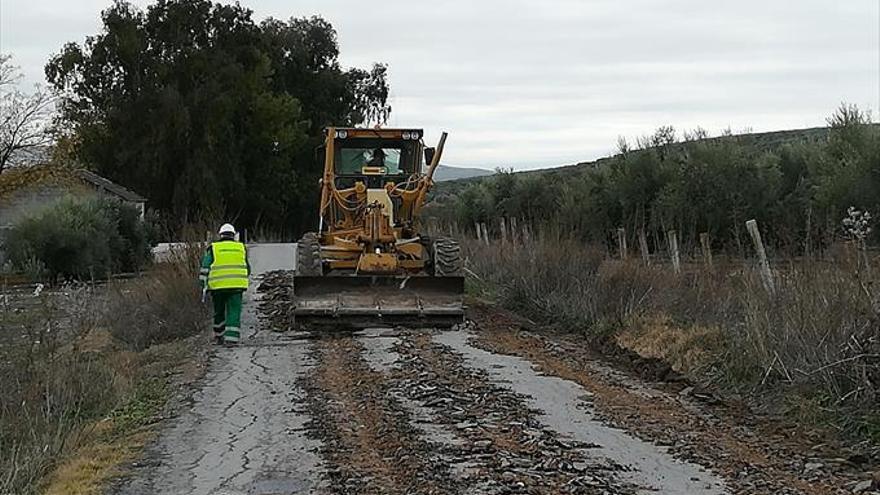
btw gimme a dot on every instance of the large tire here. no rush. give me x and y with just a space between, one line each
447 258
308 256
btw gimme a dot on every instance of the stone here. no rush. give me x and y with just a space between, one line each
863 486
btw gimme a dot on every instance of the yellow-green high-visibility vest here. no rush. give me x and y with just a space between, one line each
229 269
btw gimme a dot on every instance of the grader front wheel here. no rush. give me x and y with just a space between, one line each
447 258
308 256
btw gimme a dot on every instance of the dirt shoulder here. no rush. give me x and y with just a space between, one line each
754 454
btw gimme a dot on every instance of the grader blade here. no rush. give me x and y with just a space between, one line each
352 302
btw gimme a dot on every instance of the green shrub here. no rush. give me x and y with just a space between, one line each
135 237
80 239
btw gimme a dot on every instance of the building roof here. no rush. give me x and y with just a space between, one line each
111 187
16 178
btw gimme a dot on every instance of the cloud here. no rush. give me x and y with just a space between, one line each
533 84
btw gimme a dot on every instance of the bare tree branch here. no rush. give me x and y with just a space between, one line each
24 118
8 73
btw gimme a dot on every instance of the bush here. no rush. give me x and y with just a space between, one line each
551 283
77 239
796 184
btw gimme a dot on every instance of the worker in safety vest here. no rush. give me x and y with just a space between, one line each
224 274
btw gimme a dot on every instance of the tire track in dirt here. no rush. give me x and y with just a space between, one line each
368 442
748 461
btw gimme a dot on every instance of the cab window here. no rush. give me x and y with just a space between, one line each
395 157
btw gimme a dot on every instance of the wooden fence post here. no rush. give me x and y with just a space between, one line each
707 249
485 234
621 242
503 231
673 251
643 246
477 229
766 274
514 232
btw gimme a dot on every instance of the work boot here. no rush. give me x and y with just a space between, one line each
231 336
219 330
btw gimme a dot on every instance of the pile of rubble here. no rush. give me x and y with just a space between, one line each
276 299
505 446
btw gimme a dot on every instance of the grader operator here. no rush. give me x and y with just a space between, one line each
370 263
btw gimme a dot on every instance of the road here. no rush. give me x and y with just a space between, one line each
485 408
244 430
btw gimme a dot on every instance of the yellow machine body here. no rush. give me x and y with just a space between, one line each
369 259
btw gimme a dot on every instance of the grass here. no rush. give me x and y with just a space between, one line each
117 438
87 369
811 349
86 471
688 349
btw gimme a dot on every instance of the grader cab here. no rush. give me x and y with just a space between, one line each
370 263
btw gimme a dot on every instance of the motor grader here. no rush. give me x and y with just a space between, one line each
370 263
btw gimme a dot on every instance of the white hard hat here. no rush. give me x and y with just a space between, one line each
227 228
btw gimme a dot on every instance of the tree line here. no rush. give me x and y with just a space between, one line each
798 188
208 113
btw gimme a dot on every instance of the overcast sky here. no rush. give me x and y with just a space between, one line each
540 83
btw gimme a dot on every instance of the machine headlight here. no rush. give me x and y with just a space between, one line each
342 134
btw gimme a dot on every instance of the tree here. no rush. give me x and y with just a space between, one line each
24 118
209 114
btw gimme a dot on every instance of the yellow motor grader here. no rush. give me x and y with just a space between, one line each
370 263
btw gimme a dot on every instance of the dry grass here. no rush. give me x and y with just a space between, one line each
688 349
78 385
812 347
85 471
160 308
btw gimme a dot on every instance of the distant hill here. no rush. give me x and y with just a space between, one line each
762 141
446 172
